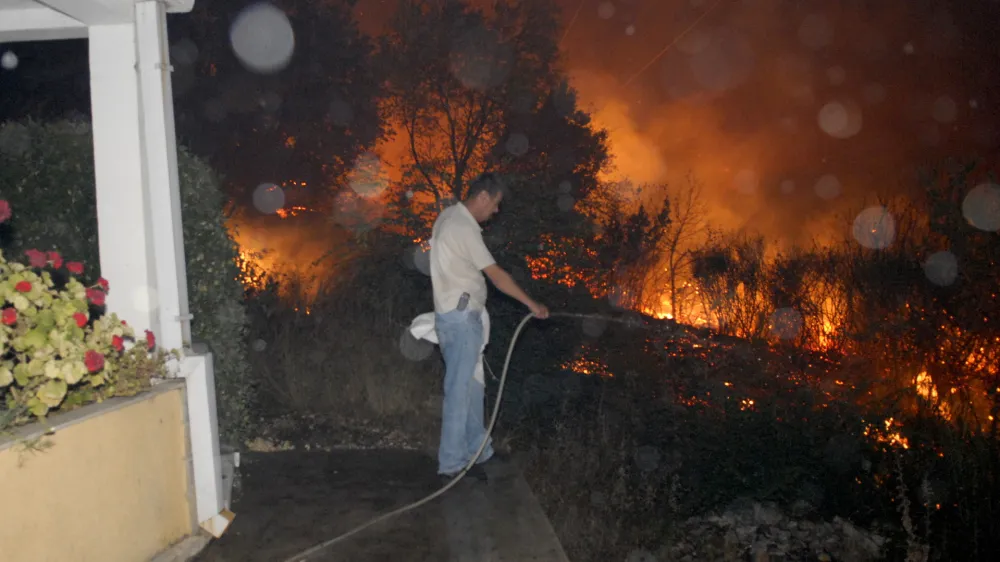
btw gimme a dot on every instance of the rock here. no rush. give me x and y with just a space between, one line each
641 555
766 514
763 532
760 553
802 508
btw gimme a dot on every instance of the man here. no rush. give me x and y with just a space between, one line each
458 260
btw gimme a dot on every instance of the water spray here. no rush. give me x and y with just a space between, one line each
304 555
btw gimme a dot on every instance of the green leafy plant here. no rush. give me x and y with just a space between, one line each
47 172
59 348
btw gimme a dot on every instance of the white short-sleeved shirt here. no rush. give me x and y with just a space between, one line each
458 258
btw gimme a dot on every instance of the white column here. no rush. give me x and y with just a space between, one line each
135 160
197 370
162 187
125 239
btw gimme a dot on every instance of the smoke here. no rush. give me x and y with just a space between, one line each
792 114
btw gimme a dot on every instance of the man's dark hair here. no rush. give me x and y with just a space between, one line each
488 182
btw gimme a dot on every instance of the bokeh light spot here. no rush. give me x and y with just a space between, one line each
836 75
566 203
941 268
268 198
341 113
422 259
368 178
746 182
414 349
725 62
594 327
873 93
606 10
981 207
517 144
8 60
828 187
647 458
480 59
145 299
786 323
944 110
840 119
815 31
262 38
874 228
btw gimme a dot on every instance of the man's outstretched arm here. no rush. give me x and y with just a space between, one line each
506 283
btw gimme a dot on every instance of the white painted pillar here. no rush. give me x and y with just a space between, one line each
135 160
162 188
199 374
125 239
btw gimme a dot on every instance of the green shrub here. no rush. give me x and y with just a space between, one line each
47 173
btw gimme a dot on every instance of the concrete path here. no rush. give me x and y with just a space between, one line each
293 500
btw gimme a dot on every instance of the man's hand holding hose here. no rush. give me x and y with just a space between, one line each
539 310
506 283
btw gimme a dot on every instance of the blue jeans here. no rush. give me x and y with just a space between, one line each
460 336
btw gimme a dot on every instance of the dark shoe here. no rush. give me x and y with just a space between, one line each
476 472
499 457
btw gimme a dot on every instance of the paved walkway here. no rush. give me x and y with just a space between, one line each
293 500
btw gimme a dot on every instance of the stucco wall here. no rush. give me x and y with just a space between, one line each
113 487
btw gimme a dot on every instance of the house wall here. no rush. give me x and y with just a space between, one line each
113 486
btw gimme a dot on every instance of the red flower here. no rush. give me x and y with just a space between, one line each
9 316
117 342
23 287
103 283
80 319
75 267
124 323
56 259
4 210
37 258
93 360
96 296
150 339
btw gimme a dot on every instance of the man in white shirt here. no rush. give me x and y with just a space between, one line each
458 260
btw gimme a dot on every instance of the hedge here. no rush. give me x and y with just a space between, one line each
47 173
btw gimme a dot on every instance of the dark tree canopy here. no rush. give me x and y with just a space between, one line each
305 122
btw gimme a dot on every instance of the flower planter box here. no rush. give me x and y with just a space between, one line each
112 483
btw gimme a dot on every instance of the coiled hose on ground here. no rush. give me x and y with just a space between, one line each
305 554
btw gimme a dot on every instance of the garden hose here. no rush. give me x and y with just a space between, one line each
305 554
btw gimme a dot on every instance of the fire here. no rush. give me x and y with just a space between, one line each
889 436
297 247
292 211
587 363
928 391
